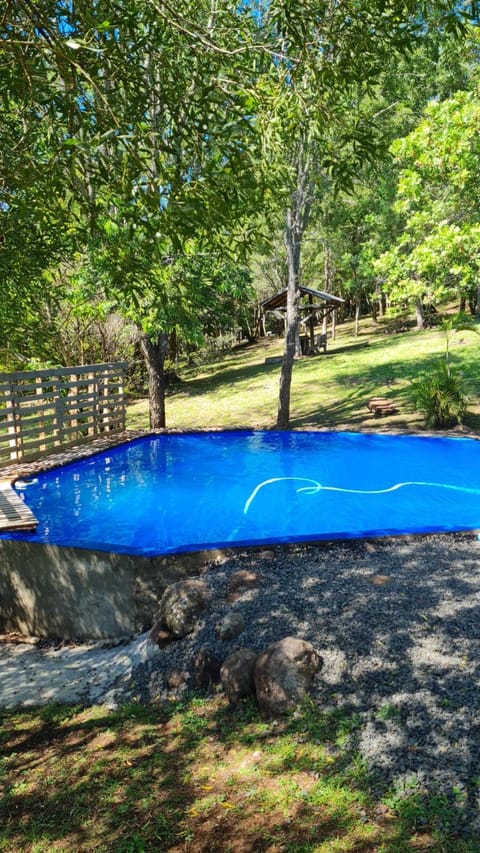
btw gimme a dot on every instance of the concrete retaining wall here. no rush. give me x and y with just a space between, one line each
72 594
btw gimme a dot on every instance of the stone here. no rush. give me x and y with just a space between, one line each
206 669
160 636
241 582
181 605
236 675
231 626
379 580
176 679
284 675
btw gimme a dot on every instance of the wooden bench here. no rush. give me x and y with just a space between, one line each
381 406
320 342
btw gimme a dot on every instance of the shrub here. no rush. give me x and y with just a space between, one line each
439 395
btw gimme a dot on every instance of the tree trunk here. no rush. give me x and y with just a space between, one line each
357 316
154 351
173 347
260 331
381 302
419 314
296 222
291 330
298 343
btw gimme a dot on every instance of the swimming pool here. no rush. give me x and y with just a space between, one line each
175 493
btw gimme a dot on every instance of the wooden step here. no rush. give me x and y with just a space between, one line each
381 406
14 513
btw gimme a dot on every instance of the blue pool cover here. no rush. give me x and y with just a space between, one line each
174 493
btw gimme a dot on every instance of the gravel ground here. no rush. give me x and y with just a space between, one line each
397 622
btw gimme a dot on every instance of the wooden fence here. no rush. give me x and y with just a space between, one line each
41 410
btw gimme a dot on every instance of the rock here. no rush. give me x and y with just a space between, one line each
160 636
240 582
266 554
379 580
176 679
231 626
284 675
236 675
206 669
181 605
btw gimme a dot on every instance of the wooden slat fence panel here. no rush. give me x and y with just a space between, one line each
44 409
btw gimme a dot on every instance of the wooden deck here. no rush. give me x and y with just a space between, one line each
14 513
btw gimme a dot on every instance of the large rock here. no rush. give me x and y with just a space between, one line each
236 675
284 675
181 605
206 669
160 636
230 626
240 582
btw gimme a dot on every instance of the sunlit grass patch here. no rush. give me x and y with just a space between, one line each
199 776
328 391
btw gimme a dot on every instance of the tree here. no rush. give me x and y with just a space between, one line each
159 120
148 113
181 297
329 58
437 253
348 231
35 234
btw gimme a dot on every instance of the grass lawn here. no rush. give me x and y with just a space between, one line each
196 776
328 391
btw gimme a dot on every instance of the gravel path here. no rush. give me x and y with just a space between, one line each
397 622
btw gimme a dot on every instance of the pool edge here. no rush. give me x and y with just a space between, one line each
75 594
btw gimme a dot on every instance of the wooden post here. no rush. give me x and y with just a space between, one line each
72 401
311 324
106 420
41 425
121 391
93 392
15 454
58 405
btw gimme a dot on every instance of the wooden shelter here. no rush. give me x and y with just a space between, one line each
314 306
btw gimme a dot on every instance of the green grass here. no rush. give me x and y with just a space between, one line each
328 391
198 776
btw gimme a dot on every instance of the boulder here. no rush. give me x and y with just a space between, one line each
236 675
176 679
181 605
241 582
284 675
206 669
160 636
231 626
